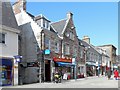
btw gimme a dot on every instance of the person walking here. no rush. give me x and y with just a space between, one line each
109 73
116 74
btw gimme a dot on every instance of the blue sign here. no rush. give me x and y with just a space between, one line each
17 58
47 51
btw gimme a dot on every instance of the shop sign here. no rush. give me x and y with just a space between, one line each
47 51
17 58
62 60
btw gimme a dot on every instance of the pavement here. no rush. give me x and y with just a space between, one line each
89 82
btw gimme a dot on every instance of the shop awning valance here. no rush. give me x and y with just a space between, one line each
65 64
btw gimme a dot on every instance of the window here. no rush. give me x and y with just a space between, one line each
47 25
67 34
72 36
43 23
2 38
81 54
56 47
74 51
47 43
67 49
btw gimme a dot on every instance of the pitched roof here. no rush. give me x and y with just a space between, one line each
40 17
59 26
7 17
85 44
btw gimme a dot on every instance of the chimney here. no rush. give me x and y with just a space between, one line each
69 15
19 5
86 39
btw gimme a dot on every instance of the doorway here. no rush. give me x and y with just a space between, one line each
47 71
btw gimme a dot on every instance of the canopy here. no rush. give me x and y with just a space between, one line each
65 64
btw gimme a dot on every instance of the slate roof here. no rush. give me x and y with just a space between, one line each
7 17
92 48
40 16
59 26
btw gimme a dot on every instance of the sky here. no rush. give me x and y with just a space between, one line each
98 20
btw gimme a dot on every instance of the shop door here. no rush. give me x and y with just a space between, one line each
47 71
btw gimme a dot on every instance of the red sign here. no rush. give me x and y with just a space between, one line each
62 60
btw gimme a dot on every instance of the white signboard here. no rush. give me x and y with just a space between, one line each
73 60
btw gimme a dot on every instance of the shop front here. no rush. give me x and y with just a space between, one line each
6 71
64 66
91 69
81 71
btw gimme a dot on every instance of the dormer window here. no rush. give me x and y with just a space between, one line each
44 23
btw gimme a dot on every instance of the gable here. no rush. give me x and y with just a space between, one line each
59 26
70 28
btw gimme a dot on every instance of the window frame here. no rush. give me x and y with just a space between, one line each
3 37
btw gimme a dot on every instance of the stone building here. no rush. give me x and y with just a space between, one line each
69 45
92 57
39 43
82 61
111 51
105 60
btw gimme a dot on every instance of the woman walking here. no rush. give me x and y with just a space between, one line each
116 74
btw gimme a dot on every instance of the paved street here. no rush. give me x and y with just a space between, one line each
91 82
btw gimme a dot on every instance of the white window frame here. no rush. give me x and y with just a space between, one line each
57 47
48 43
81 54
67 49
2 38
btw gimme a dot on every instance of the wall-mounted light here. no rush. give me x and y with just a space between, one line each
73 27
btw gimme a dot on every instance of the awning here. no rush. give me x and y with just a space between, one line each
65 64
91 63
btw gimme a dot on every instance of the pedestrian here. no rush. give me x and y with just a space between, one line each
109 73
116 74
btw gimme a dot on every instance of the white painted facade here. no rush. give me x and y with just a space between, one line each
10 48
23 18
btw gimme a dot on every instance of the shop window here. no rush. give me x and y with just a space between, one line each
2 38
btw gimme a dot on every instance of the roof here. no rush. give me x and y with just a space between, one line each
85 44
32 16
59 26
40 17
108 45
7 16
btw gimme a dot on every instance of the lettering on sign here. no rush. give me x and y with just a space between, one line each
62 60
